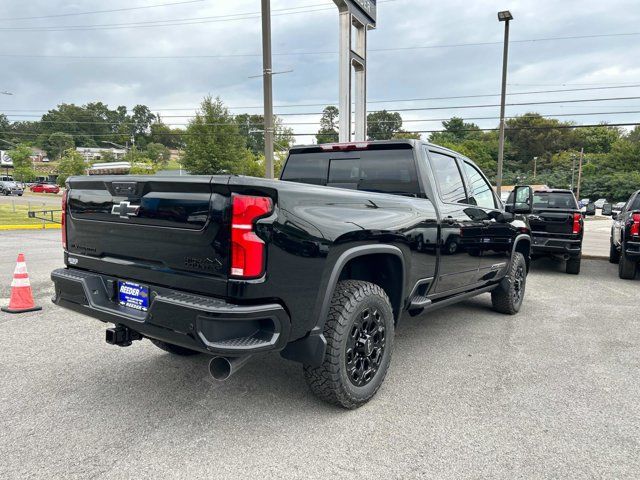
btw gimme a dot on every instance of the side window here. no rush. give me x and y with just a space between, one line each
481 191
448 178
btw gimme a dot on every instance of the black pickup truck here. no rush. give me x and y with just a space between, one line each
557 227
625 238
320 265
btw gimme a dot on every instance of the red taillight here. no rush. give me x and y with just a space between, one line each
247 249
63 219
577 223
635 226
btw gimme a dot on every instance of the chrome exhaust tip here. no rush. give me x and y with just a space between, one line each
221 368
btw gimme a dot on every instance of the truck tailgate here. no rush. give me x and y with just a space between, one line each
552 221
170 231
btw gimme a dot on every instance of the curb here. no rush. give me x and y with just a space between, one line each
595 257
29 227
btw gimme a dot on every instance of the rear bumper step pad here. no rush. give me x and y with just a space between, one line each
193 321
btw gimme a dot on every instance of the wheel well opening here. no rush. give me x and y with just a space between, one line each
385 270
524 247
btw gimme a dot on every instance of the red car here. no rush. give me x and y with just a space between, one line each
44 188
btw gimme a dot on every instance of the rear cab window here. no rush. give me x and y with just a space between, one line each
377 169
559 200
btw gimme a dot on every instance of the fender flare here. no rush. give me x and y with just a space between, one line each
310 350
342 260
519 238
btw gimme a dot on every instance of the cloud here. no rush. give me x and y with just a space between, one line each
41 83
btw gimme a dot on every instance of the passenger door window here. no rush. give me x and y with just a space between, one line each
480 190
448 178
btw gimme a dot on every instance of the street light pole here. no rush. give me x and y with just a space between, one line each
506 17
267 75
535 167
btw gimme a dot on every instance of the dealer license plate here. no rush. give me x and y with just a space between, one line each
133 295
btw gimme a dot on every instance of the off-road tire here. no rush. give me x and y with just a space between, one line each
614 254
573 266
330 381
627 268
174 349
504 298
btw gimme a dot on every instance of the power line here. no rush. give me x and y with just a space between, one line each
188 134
459 107
369 102
178 21
114 10
418 109
457 97
551 115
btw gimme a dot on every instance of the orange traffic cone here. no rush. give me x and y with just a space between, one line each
21 296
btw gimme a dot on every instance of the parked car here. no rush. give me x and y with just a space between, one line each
600 202
617 207
45 188
233 266
590 209
10 188
584 202
625 238
607 209
557 227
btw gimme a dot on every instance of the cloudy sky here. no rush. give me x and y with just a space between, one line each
170 56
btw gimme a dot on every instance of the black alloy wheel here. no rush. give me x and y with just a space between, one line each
365 347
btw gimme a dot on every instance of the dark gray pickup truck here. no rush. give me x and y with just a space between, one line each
320 265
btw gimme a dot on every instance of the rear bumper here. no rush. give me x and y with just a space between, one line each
197 322
547 245
632 250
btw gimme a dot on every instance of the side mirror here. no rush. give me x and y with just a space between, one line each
607 209
522 200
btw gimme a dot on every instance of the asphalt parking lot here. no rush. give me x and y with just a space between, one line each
550 393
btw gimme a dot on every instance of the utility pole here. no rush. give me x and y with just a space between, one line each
580 172
267 77
505 17
535 166
573 170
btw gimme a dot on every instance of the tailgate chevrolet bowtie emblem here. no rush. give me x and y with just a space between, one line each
125 210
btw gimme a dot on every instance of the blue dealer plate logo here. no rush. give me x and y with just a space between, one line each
133 295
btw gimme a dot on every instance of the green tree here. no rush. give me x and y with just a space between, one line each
57 144
532 135
22 165
634 135
455 130
402 135
328 132
597 139
383 125
251 127
141 164
213 143
158 154
71 163
167 136
107 156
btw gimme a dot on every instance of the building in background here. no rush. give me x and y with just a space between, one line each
92 154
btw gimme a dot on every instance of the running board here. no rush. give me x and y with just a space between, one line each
457 298
418 302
